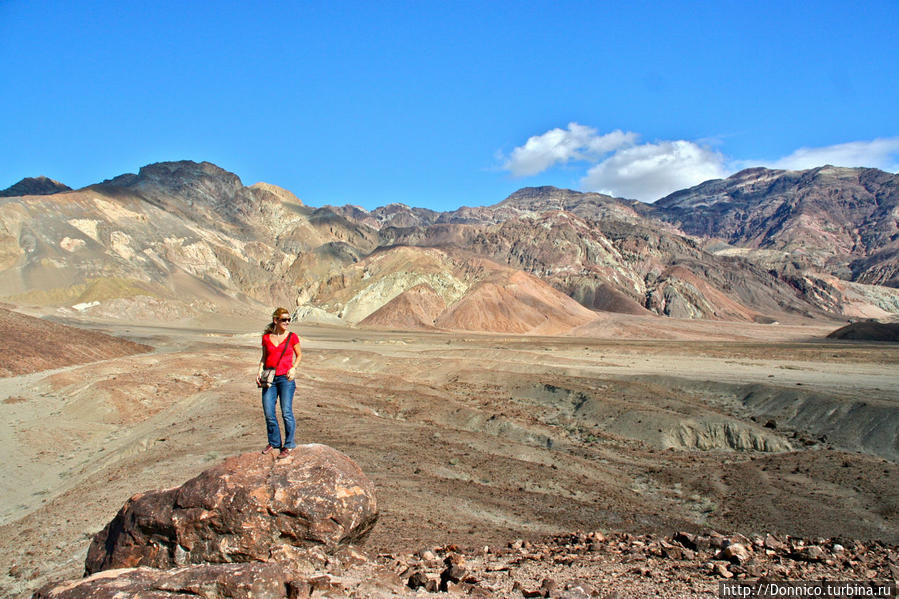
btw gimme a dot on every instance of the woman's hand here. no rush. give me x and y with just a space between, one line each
291 373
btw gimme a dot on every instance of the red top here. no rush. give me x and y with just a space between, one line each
273 353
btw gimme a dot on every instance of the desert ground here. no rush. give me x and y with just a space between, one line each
473 439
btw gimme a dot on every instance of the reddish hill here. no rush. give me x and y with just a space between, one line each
515 302
31 344
415 308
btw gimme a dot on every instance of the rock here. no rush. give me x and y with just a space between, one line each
208 581
686 539
773 543
894 571
718 541
417 580
812 553
455 571
299 589
736 553
578 589
250 507
474 591
722 571
677 552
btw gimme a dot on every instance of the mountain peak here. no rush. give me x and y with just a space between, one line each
273 191
183 168
175 175
34 186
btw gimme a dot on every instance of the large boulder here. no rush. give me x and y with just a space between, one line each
251 507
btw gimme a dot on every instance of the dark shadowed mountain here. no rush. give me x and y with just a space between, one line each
34 186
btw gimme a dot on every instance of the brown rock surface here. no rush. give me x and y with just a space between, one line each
209 581
250 507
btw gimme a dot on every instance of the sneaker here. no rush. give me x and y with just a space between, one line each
285 451
268 449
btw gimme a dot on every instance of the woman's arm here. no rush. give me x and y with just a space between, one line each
261 365
297 356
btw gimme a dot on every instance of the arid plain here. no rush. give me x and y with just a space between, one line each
656 425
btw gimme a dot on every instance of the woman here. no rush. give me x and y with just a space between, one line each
281 351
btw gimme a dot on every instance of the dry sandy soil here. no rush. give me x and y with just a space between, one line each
473 439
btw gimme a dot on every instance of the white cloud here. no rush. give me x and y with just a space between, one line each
558 146
877 153
651 171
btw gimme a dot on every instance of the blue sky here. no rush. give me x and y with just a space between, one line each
444 104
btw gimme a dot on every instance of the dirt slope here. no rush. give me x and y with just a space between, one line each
413 309
515 302
31 344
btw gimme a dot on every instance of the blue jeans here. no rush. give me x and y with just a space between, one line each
284 389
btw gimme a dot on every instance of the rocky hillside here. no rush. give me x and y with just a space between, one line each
179 239
175 239
841 221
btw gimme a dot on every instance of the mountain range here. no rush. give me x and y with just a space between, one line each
181 239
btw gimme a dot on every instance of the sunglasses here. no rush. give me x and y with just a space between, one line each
285 320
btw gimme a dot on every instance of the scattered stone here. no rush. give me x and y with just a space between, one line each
717 540
417 580
299 589
686 539
677 552
455 571
812 553
773 543
578 589
722 571
894 571
736 553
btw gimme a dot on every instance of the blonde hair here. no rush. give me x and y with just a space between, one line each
275 316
